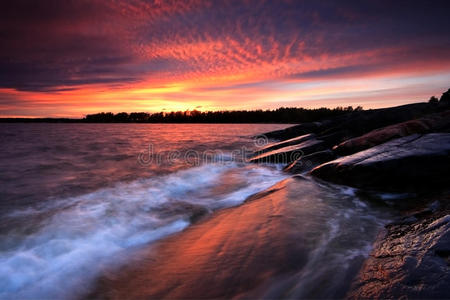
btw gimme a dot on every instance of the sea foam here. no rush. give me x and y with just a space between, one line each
66 243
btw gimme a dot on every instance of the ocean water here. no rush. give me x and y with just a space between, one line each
77 197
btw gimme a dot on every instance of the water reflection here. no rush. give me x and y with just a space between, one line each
297 240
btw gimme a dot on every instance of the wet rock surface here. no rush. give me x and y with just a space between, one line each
307 162
297 130
349 134
409 260
416 162
435 122
403 150
288 154
282 144
359 122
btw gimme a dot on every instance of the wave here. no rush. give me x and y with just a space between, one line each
59 247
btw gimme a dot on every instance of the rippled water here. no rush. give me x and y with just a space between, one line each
41 161
77 199
73 195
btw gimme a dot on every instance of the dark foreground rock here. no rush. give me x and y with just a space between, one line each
412 163
409 261
405 150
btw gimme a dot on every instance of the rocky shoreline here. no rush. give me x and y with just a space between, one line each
402 150
306 238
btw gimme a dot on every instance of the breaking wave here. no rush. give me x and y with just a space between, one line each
60 246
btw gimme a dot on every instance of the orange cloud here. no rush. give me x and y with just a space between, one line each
85 57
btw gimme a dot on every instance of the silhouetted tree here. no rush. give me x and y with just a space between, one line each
121 117
100 118
445 98
139 117
433 100
280 115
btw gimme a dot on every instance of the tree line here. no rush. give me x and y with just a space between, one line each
280 115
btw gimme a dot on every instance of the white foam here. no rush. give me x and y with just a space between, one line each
81 235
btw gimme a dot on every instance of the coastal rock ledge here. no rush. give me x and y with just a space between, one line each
402 156
412 163
409 260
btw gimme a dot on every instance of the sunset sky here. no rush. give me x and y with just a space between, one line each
70 58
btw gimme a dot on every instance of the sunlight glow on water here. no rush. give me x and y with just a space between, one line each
83 216
77 203
80 234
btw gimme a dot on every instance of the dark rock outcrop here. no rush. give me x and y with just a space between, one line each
403 149
288 154
409 260
290 142
297 148
295 131
308 162
365 121
410 163
380 136
335 137
357 123
430 123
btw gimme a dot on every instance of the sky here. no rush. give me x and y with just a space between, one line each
71 58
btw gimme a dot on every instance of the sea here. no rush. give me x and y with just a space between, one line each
75 198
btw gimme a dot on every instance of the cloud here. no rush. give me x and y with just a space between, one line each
53 46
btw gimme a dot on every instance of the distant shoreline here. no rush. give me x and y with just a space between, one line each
81 121
282 115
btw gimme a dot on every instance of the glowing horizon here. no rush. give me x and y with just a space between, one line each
76 58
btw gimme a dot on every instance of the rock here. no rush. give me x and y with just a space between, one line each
380 136
282 152
438 122
408 261
285 143
429 123
295 131
412 163
335 137
307 162
288 154
357 123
